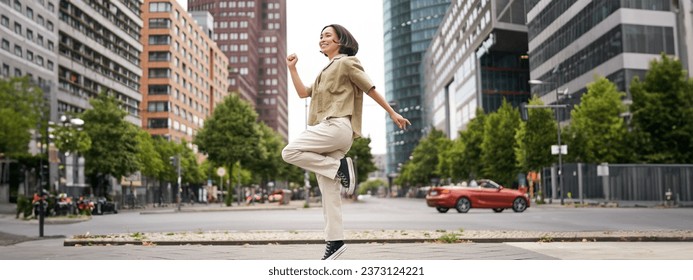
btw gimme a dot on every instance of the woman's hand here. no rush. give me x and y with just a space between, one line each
291 60
400 121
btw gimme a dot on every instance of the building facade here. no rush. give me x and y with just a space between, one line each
184 71
477 59
28 47
571 41
99 51
252 34
29 38
409 26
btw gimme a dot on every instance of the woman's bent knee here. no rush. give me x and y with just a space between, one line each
289 155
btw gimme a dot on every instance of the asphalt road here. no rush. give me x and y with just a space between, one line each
368 214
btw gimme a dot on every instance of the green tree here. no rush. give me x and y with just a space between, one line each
190 168
22 109
498 146
471 165
114 149
361 152
272 166
535 137
421 169
68 138
152 163
597 121
371 186
663 113
166 150
450 161
231 134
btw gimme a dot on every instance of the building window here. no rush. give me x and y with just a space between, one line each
18 28
158 7
159 39
29 13
157 123
5 45
49 26
159 72
17 6
18 51
5 70
29 55
157 107
17 72
5 21
155 23
159 89
159 56
30 35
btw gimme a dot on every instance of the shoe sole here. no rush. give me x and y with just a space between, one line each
352 177
338 253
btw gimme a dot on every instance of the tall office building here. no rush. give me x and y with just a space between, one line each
29 37
571 41
98 51
409 26
477 59
252 34
185 71
28 42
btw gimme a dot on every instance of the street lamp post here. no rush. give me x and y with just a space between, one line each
558 131
69 123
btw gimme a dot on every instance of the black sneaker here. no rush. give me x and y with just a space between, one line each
346 175
334 250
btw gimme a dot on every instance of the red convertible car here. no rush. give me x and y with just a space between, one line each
486 194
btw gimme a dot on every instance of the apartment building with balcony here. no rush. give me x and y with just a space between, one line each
185 72
252 34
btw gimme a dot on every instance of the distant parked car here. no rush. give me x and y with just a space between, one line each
103 206
486 194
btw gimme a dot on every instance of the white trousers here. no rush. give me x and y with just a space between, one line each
319 149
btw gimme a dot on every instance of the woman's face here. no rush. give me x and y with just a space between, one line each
329 42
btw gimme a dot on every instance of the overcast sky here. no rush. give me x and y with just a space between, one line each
364 19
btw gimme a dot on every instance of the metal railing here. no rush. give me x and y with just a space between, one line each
624 182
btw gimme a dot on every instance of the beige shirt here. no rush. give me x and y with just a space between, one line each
338 92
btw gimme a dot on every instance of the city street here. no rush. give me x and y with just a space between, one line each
369 213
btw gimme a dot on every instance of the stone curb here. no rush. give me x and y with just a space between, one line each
285 238
77 243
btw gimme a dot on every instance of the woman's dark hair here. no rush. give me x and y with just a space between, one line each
347 42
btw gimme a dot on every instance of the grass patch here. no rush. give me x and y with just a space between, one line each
137 235
449 238
546 239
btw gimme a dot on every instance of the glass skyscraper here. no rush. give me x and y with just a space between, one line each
570 41
408 28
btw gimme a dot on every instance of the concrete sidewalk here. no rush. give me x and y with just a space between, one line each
362 245
53 249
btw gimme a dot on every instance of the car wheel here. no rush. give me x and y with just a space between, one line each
519 204
442 209
498 210
463 205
